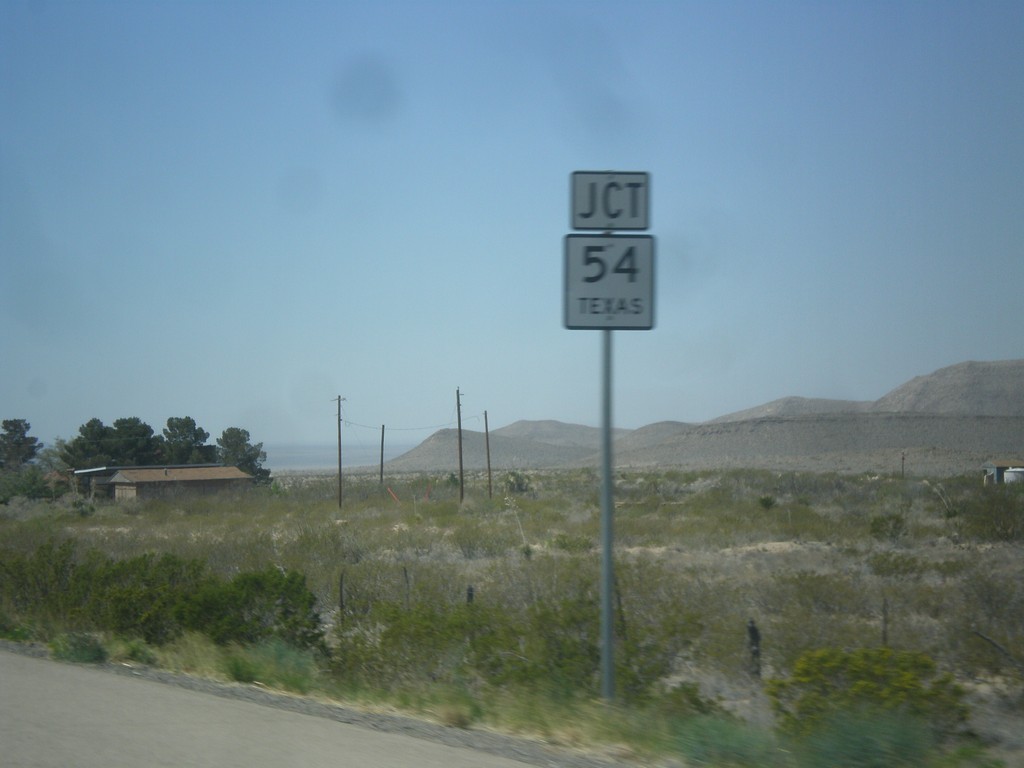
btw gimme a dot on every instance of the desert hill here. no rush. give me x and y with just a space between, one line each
439 452
972 388
796 406
947 422
556 433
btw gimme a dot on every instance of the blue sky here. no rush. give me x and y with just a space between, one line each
237 211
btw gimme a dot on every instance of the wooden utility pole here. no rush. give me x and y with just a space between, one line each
382 454
340 399
458 410
487 444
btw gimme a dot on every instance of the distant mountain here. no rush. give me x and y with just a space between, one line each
439 452
930 444
947 422
556 433
979 389
797 406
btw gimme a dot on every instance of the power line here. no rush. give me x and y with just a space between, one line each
476 417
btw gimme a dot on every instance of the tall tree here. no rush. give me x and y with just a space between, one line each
235 450
185 442
135 444
16 447
91 447
129 442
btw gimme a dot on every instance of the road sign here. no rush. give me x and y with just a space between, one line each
609 282
609 200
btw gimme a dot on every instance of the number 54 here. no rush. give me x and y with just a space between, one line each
594 257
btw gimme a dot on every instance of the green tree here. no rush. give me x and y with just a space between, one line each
92 447
185 442
29 481
235 450
16 447
129 442
135 444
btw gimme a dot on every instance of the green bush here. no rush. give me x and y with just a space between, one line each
896 565
721 741
29 482
829 682
571 544
255 606
139 597
12 630
997 514
890 527
39 584
273 663
239 667
79 647
562 644
137 650
865 739
156 598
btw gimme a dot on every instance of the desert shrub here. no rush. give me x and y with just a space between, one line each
822 593
239 667
995 514
517 482
828 682
395 644
551 646
137 650
12 630
138 597
274 663
28 482
867 739
766 501
155 598
684 701
482 538
895 564
436 641
562 644
572 543
889 527
79 647
254 606
39 583
722 741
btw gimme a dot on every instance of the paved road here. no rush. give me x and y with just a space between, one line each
55 715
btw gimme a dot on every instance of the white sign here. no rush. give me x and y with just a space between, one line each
609 200
609 282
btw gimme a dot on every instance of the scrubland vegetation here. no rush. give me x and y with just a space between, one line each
891 611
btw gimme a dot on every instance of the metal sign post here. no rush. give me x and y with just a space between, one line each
609 285
607 537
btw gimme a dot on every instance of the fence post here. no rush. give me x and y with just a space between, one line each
754 645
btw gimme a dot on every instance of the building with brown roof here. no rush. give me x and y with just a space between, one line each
157 482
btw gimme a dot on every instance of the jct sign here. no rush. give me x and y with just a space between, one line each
609 282
606 200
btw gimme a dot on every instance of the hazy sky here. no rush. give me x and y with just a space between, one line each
237 211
